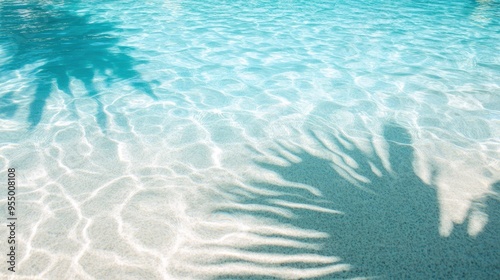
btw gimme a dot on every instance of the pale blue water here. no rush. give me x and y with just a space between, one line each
253 139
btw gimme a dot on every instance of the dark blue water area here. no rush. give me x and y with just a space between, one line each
68 46
389 228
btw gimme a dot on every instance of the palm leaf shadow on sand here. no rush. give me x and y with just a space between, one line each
389 227
64 46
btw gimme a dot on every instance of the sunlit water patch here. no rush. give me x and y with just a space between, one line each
252 139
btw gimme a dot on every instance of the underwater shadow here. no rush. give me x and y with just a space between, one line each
389 226
63 46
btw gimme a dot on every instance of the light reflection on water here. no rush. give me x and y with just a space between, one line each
285 139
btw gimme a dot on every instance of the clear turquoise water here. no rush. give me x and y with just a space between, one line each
253 139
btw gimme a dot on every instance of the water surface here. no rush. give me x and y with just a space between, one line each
253 139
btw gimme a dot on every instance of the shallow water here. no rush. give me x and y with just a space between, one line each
252 139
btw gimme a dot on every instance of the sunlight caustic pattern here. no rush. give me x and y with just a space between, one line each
64 46
252 139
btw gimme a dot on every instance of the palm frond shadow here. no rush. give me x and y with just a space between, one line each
388 226
63 45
